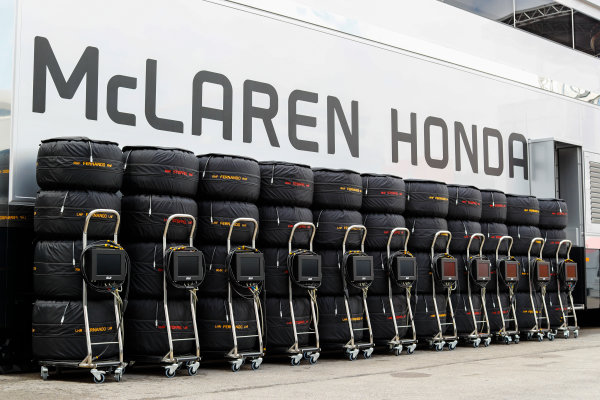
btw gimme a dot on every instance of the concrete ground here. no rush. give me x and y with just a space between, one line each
531 370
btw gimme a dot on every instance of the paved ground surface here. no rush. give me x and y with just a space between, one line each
563 368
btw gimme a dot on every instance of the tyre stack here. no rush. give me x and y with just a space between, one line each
493 227
384 201
76 175
426 210
464 213
229 187
522 218
336 204
286 193
157 183
554 219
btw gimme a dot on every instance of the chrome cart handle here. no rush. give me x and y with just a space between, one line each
392 233
101 211
535 240
312 234
355 228
500 243
171 218
473 236
567 242
232 226
435 238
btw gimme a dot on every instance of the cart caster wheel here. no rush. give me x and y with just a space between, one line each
352 354
475 344
529 336
99 378
118 377
452 345
44 373
516 339
486 342
551 336
397 351
566 334
235 367
540 338
256 364
306 355
192 371
575 334
295 361
506 340
169 373
313 359
439 347
368 353
411 349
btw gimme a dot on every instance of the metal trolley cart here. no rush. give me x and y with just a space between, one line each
357 270
184 268
106 281
567 275
246 268
507 274
402 272
304 270
444 270
539 277
479 273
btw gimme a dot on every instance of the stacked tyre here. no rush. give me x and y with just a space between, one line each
286 193
76 175
464 213
336 204
426 210
228 188
157 183
493 227
383 203
554 219
522 218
